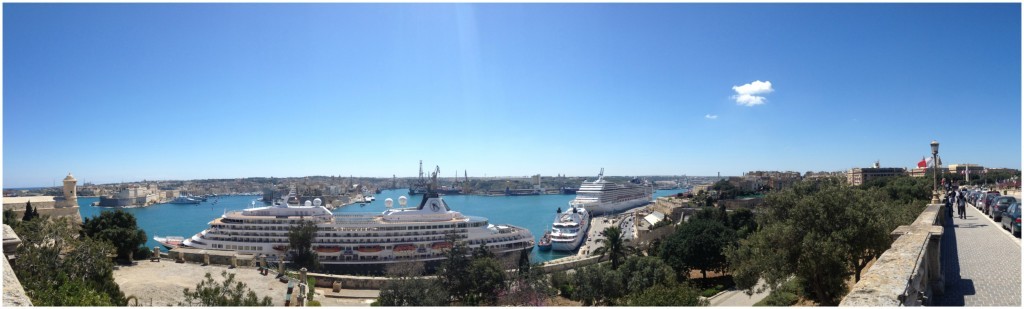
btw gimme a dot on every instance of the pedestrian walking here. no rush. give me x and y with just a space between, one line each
949 203
961 206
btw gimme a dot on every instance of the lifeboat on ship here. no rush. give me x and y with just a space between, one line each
328 249
441 245
404 247
281 248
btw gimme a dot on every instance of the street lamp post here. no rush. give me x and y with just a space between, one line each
935 172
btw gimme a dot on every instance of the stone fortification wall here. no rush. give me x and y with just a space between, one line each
909 273
45 207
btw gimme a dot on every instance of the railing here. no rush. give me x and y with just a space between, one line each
909 273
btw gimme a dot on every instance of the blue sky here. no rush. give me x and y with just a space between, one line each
115 92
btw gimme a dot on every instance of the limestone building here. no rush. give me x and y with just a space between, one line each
858 176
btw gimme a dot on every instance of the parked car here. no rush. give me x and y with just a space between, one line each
999 206
979 200
1011 219
974 198
986 205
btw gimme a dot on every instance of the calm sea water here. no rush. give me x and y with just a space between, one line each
533 212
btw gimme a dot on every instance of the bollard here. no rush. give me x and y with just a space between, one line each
280 267
156 254
336 286
288 295
206 259
234 261
181 257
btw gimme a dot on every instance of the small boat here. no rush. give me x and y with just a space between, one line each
369 249
328 249
170 242
545 242
404 247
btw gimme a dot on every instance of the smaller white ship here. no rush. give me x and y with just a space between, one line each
170 242
569 229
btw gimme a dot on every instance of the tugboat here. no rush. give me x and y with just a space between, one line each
545 242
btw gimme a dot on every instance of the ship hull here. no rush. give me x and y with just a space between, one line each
568 245
611 208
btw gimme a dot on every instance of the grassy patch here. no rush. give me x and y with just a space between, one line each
786 295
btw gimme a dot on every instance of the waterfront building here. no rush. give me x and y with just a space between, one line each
962 168
858 176
133 195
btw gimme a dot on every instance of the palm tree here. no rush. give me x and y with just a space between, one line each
614 247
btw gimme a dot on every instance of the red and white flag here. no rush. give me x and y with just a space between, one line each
923 163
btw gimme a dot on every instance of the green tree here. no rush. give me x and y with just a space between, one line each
10 218
488 281
678 295
527 288
300 244
821 232
117 228
454 270
597 285
614 247
742 221
227 293
643 272
413 291
698 244
58 269
30 213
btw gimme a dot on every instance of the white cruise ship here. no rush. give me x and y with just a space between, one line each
603 197
569 229
361 243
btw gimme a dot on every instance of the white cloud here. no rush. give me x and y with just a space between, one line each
710 116
750 94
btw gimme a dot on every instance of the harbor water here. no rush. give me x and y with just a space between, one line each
533 212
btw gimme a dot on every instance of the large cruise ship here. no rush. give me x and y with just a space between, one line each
362 243
603 197
569 229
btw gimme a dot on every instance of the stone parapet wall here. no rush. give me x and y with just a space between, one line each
217 257
909 273
14 293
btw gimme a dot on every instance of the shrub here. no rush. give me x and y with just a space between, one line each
143 253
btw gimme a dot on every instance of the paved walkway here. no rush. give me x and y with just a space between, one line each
738 298
981 263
